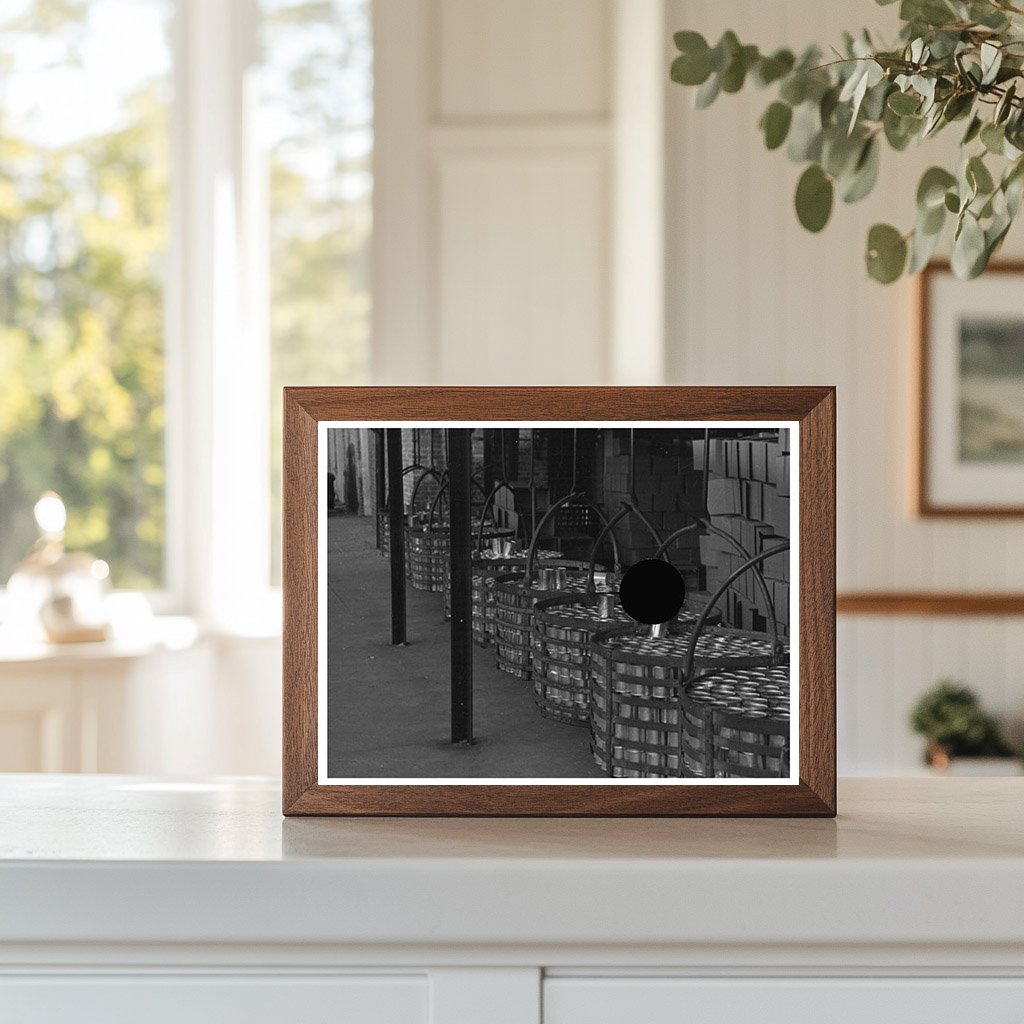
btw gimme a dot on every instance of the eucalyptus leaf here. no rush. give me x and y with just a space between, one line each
707 93
903 103
1005 105
978 176
1014 192
865 174
991 61
873 107
973 130
692 68
993 138
900 130
794 88
828 105
958 105
814 196
805 133
775 124
724 51
931 190
771 69
1013 187
987 15
840 152
886 253
922 248
968 247
932 221
932 122
735 74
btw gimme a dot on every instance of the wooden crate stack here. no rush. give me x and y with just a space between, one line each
748 498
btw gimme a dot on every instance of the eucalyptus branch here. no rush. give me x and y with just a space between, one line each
953 61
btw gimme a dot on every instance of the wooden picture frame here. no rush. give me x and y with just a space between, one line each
811 790
933 471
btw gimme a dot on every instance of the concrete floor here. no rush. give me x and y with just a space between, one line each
388 707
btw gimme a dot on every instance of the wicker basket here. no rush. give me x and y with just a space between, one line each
383 517
426 554
735 724
516 593
637 686
562 630
485 568
514 599
428 542
427 548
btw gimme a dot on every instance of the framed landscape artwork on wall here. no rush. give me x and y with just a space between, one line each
970 450
571 601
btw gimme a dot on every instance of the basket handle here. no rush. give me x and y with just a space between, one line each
739 548
628 508
756 569
429 471
412 467
691 647
488 505
442 491
532 553
673 537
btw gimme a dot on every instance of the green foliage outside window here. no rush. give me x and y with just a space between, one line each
82 234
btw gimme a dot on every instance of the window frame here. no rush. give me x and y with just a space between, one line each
217 345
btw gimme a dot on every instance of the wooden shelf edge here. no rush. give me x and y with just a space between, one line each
929 603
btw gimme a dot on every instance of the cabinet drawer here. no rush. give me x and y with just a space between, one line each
202 999
661 1000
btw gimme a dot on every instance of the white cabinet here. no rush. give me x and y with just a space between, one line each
352 999
127 899
823 1000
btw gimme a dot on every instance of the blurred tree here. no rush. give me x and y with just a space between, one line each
82 232
318 117
83 217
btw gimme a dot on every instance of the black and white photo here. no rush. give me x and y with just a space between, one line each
585 603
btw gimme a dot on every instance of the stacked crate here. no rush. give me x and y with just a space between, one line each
748 498
668 489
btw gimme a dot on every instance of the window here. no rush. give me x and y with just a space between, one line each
317 116
83 236
237 212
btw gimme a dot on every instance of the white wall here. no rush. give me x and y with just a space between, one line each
494 191
754 299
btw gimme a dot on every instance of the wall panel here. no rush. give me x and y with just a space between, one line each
530 58
521 291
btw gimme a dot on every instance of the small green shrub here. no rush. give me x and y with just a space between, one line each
949 716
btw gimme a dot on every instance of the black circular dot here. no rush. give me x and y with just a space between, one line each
652 591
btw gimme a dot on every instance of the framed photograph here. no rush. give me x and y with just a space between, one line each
559 601
970 445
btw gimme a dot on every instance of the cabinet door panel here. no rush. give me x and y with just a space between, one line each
782 1001
202 999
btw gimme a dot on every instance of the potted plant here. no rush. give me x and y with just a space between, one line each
956 62
950 718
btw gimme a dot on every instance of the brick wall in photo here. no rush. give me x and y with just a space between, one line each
668 489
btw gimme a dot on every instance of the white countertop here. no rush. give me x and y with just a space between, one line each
119 859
